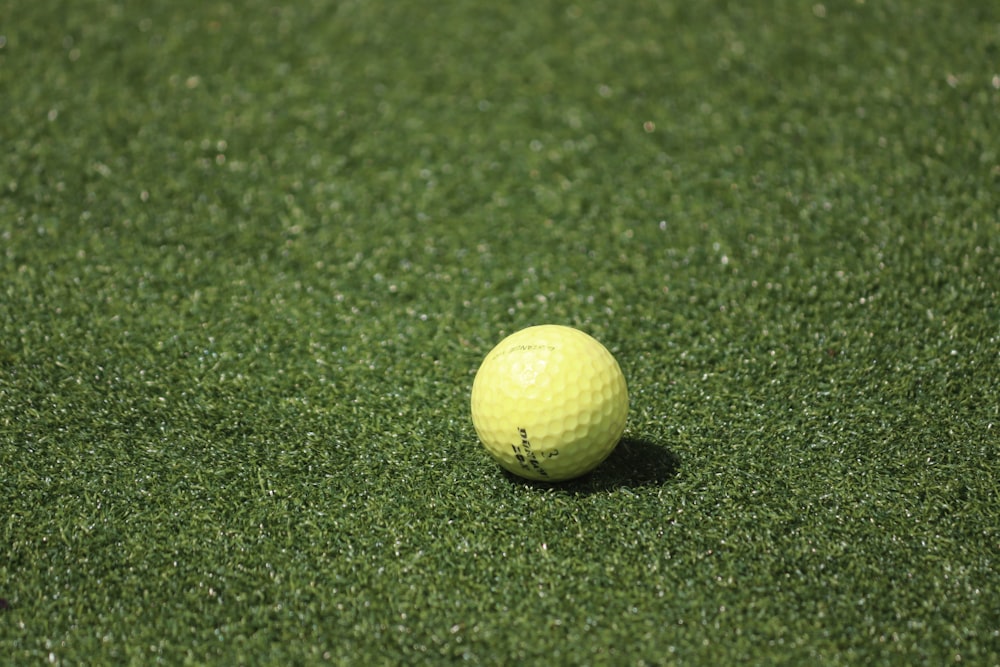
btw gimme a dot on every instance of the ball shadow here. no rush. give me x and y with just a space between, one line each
635 462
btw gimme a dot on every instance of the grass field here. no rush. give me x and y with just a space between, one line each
251 255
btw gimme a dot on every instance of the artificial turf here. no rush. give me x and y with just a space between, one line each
252 254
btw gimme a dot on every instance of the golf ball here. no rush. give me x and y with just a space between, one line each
549 403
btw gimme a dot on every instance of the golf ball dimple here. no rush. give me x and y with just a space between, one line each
549 403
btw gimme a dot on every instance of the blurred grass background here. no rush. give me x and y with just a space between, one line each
254 252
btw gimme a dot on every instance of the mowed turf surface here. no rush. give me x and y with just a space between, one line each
253 253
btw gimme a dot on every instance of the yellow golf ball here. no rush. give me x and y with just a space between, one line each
549 403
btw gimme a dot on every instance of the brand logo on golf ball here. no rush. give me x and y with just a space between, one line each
526 455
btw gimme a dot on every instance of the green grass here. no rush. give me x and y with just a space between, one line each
252 254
